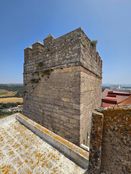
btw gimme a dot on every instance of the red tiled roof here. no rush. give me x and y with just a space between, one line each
126 101
111 98
105 105
119 93
120 98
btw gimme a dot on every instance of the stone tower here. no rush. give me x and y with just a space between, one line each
62 80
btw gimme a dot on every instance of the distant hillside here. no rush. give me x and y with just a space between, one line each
18 88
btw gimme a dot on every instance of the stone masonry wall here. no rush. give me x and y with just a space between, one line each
91 80
55 102
90 99
61 84
111 141
90 58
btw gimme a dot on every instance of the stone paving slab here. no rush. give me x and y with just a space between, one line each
23 152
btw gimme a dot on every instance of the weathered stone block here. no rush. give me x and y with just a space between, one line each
62 79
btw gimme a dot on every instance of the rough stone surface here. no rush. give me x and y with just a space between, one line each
115 141
90 98
70 150
62 77
23 152
96 143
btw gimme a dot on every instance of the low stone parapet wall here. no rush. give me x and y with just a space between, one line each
110 145
70 150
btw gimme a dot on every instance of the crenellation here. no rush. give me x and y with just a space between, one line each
48 40
62 79
27 54
37 49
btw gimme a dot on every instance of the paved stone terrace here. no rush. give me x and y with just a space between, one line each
23 152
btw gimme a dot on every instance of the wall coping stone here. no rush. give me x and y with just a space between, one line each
70 150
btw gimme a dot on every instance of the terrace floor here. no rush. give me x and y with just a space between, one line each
23 152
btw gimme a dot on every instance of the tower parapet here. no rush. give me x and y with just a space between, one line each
62 80
37 49
27 54
48 40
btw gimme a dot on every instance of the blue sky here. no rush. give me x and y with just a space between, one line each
24 22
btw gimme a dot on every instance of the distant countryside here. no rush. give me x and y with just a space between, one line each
11 99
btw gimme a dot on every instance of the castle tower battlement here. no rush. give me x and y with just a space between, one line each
62 79
64 51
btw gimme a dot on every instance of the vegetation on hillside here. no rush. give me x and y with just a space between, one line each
10 97
11 90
